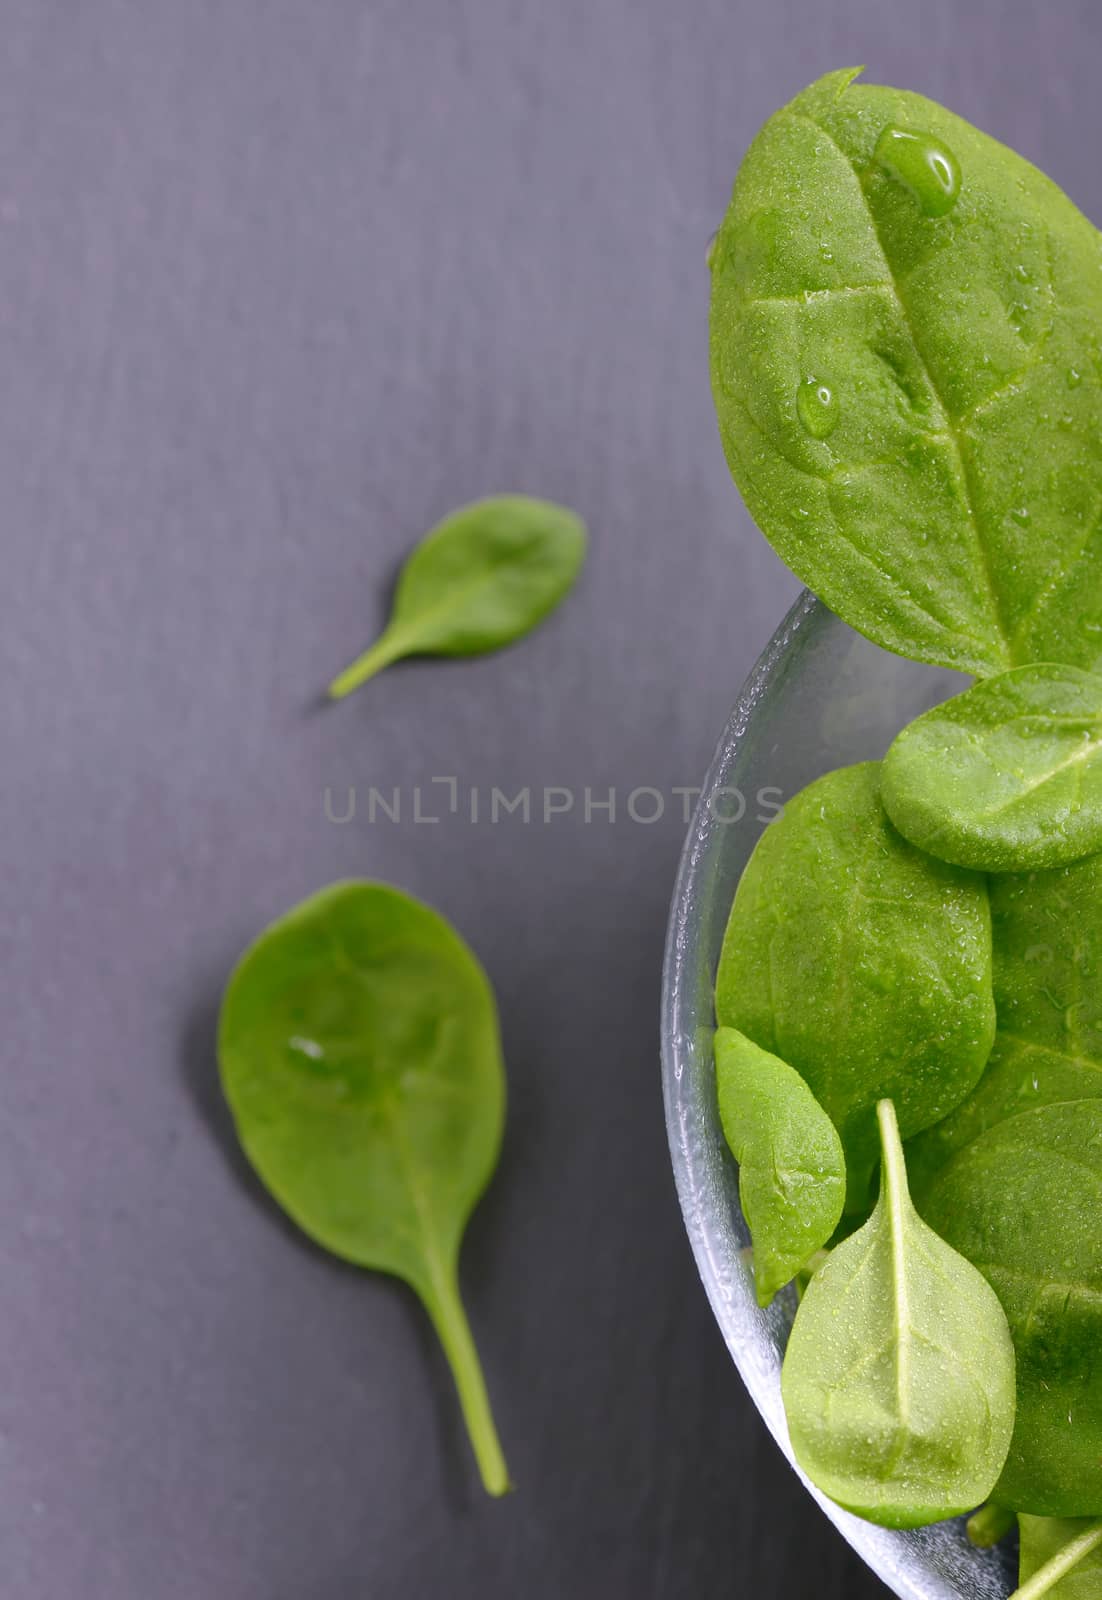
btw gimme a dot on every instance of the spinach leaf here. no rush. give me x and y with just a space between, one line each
862 962
360 1056
483 577
1023 1203
1006 776
792 1173
907 373
898 1380
1061 1558
1047 938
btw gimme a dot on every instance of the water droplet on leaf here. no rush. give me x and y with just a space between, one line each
924 164
817 407
306 1049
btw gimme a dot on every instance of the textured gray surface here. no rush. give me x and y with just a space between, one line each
279 284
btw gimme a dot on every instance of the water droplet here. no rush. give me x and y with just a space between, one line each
310 1048
1075 378
817 408
1020 515
927 167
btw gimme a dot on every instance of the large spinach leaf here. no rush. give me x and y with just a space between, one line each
1024 1203
906 365
862 962
898 1380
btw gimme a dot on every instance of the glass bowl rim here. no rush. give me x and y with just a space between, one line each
888 1554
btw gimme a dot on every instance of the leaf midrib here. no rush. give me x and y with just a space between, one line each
895 1191
1066 1559
423 1210
1029 787
950 429
1073 1058
1040 1283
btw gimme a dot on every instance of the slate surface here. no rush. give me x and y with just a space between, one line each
280 283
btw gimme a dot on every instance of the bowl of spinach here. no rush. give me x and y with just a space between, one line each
821 697
882 1017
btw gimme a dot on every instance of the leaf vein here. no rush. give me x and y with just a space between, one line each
965 483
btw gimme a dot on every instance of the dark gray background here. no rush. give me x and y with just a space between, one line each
282 281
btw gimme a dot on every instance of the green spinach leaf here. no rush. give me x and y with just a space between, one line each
898 1380
1061 1558
484 577
1047 938
360 1056
1006 776
862 962
792 1173
1023 1202
906 365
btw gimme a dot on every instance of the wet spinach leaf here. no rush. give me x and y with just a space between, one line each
1047 940
1006 776
1023 1203
1060 1558
862 962
792 1173
483 577
360 1056
906 366
898 1380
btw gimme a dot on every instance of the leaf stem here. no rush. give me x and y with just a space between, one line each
445 1306
388 647
990 1524
1062 1562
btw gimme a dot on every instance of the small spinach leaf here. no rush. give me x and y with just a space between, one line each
792 1173
1047 940
1023 1203
360 1056
907 374
1006 776
862 962
1061 1558
898 1380
483 577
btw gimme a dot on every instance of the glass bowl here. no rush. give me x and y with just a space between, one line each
820 697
